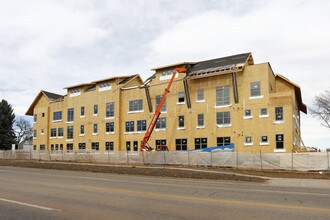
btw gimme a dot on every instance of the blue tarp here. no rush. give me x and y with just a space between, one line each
229 147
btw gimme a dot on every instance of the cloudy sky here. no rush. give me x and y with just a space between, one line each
52 44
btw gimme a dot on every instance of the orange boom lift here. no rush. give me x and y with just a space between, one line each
144 143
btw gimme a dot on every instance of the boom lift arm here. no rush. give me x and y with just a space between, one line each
154 119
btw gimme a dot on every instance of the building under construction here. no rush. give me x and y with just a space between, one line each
219 102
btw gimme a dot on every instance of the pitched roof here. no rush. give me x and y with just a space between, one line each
220 64
301 105
49 95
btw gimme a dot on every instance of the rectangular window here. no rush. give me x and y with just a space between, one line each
255 89
200 120
181 144
95 146
57 116
42 147
222 141
200 143
42 131
70 132
82 146
105 86
248 140
82 129
264 139
35 118
69 147
110 127
70 114
135 105
53 132
181 97
129 126
278 113
161 145
158 99
109 146
34 147
141 125
95 129
82 111
263 112
200 95
223 118
34 133
128 146
161 123
247 113
60 132
181 121
223 96
96 109
279 141
135 145
110 110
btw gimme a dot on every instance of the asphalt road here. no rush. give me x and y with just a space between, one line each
51 194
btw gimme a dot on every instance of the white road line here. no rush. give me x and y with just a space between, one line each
30 205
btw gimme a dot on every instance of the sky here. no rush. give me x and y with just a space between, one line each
51 44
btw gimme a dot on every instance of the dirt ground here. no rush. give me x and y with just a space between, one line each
171 171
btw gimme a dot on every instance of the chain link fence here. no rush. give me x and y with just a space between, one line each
280 161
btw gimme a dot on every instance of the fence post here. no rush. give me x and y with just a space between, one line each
292 160
260 160
237 159
188 158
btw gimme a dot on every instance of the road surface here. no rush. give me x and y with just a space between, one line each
27 193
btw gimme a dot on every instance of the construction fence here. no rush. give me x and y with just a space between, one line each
278 161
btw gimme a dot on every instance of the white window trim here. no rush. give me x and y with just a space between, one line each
57 120
69 140
106 88
248 117
82 116
248 144
224 126
200 100
279 122
222 106
264 143
129 132
75 94
279 150
256 97
160 129
263 116
181 128
140 132
109 118
137 111
69 122
200 127
95 114
168 76
111 132
81 135
52 137
181 103
94 134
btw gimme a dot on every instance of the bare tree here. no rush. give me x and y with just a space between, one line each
23 129
321 108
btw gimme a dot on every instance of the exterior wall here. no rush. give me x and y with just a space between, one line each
275 92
